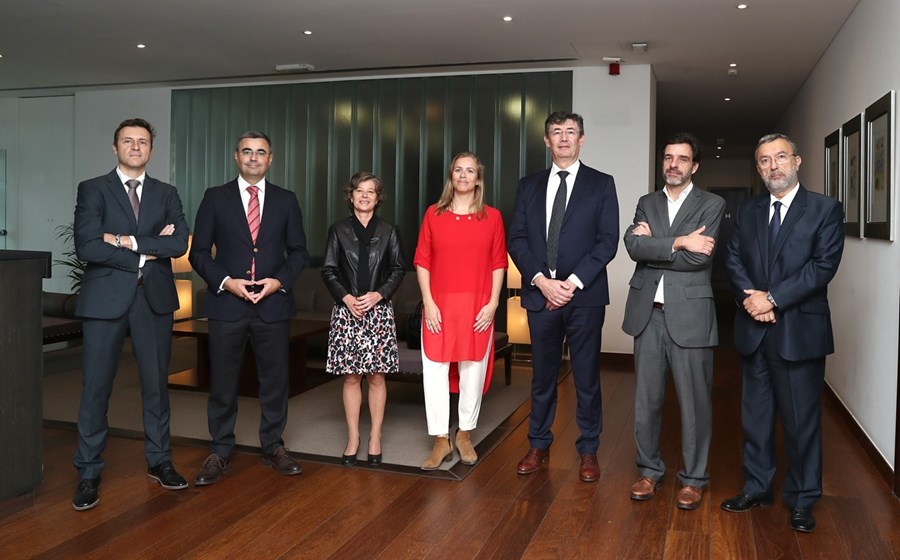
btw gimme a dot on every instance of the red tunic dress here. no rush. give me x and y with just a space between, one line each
461 252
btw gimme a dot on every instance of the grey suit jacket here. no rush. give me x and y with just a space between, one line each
690 310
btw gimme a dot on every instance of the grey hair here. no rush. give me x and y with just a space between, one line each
775 136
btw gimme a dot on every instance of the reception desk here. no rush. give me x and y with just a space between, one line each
21 370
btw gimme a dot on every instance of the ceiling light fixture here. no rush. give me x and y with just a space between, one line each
640 47
743 6
302 67
727 99
141 46
507 18
733 65
307 32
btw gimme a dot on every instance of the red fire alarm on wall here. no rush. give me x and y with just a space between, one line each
613 68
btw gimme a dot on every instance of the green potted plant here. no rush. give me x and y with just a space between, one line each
66 232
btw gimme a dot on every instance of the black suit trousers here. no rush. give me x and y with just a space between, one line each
582 328
793 390
151 341
227 341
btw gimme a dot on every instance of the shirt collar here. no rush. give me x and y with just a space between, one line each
787 199
123 177
243 184
572 169
687 190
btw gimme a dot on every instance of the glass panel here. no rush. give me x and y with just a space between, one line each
2 199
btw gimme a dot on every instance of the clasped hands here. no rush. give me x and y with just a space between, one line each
358 306
125 239
758 306
557 292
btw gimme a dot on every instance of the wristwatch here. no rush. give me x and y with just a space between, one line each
118 241
771 299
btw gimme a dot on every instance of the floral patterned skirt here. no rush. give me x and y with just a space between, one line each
360 346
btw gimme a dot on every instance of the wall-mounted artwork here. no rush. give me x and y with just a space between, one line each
879 168
852 175
833 164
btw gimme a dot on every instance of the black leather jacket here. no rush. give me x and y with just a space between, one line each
342 260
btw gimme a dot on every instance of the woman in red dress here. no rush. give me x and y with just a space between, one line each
460 264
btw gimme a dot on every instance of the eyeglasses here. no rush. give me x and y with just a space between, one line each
780 159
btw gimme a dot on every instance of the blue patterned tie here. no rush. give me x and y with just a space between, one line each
556 220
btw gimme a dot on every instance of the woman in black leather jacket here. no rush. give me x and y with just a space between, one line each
363 268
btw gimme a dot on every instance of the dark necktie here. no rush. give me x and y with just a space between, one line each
556 220
774 224
132 185
253 222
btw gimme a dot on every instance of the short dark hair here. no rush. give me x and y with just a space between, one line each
559 117
358 179
252 134
138 122
685 138
773 137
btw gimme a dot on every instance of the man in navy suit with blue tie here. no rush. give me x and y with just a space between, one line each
564 232
260 249
785 249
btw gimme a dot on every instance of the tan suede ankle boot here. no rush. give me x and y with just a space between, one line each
439 453
464 444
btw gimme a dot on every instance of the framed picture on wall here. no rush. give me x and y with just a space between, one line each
879 168
852 175
833 164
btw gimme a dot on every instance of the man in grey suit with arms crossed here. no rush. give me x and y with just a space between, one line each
128 226
671 314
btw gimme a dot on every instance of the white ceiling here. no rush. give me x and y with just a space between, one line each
59 46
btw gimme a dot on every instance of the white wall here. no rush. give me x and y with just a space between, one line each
860 66
620 126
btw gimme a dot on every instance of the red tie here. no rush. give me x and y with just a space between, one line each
253 222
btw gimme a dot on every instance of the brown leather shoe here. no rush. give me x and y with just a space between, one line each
644 488
532 460
281 462
440 452
212 470
467 453
590 469
689 497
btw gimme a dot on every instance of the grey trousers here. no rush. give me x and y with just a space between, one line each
654 354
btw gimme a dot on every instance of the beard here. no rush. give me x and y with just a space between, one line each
782 183
676 180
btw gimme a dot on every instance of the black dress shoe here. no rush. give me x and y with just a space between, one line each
743 502
350 460
802 520
87 495
374 459
165 474
212 470
282 462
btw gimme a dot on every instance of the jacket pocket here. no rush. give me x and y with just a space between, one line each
636 281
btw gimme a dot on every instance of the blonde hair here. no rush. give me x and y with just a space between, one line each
446 199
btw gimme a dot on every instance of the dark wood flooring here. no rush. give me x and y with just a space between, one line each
335 512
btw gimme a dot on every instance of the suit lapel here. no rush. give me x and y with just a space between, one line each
117 189
658 212
687 207
577 199
793 215
236 207
762 228
541 200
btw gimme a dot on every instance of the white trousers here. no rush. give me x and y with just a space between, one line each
436 383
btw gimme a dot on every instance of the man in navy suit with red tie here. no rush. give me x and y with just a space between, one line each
564 232
785 249
128 227
260 249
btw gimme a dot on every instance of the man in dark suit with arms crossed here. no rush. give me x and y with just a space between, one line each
671 314
127 228
260 249
785 249
564 232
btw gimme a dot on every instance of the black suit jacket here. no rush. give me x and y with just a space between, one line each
110 280
806 256
280 250
588 240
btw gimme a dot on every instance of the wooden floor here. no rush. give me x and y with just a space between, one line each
335 512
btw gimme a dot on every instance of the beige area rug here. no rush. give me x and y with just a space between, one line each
316 429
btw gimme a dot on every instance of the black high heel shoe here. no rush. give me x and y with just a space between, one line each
374 459
350 460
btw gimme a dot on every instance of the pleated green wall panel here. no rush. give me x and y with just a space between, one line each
405 130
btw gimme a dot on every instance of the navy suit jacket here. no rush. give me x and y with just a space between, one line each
588 240
806 256
110 280
280 250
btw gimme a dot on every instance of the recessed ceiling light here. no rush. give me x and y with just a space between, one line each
307 32
507 18
718 147
1 56
141 46
718 156
742 6
733 65
727 99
